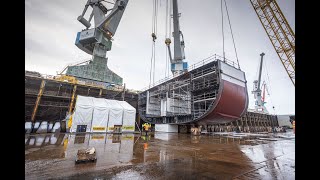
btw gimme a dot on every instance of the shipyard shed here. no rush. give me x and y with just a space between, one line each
102 115
82 116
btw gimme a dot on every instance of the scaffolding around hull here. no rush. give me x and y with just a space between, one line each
50 99
211 92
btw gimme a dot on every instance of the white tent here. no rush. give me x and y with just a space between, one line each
100 115
115 114
83 113
129 117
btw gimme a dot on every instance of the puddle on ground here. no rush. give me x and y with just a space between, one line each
158 156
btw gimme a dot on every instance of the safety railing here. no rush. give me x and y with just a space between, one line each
203 62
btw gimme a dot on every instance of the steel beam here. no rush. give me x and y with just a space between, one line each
72 99
43 83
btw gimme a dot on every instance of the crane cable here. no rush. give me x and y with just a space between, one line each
269 84
169 32
154 37
234 44
224 58
167 35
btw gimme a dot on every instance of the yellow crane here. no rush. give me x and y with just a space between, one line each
279 32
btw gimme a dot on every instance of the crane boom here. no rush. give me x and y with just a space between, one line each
177 64
279 32
259 103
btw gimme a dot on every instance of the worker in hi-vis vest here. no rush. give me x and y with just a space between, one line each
146 127
294 126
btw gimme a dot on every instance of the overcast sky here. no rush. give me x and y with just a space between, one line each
51 28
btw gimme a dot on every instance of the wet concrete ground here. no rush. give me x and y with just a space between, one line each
162 156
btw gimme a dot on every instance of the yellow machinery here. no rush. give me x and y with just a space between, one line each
279 32
66 78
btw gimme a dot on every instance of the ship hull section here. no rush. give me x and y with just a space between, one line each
213 93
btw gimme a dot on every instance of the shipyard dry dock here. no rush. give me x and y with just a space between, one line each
162 156
48 101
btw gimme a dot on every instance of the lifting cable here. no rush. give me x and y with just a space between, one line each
169 32
224 59
234 44
167 35
269 84
154 37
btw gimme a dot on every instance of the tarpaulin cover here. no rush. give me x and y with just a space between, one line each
129 116
115 114
100 115
82 113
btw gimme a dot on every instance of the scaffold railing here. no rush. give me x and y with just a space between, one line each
203 62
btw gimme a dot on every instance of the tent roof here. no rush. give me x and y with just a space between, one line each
114 104
84 100
101 102
126 105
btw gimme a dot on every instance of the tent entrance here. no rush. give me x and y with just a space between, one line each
116 138
117 129
81 128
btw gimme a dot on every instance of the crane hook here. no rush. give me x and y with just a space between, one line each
154 37
167 41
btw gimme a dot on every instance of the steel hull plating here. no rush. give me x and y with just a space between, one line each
230 106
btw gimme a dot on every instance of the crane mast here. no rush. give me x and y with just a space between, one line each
97 40
279 32
177 64
259 103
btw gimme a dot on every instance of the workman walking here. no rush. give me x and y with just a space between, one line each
294 126
146 127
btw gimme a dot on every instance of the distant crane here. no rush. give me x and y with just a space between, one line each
279 32
265 88
259 103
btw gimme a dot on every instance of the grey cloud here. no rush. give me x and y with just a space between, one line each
51 27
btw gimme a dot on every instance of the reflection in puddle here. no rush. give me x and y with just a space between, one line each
79 139
171 154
